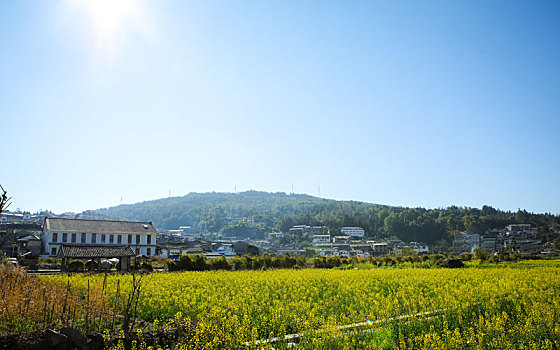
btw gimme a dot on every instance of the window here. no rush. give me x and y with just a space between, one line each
148 251
83 238
73 238
54 237
137 239
53 251
64 237
119 239
149 240
102 238
111 238
129 239
93 238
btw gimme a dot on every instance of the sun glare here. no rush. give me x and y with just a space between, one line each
110 22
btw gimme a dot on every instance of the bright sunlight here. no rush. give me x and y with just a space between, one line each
109 23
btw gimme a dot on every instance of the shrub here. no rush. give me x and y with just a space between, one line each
219 264
452 263
480 253
90 265
49 261
76 265
465 257
147 267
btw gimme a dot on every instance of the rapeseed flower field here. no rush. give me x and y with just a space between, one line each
504 306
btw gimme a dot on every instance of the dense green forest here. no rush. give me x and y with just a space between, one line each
252 213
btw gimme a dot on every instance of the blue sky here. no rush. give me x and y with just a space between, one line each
430 104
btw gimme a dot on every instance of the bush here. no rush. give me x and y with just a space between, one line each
185 263
219 264
147 267
238 263
76 266
90 265
465 257
480 253
452 263
49 261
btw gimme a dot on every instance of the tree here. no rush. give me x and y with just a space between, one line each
488 210
409 252
480 253
393 225
556 243
4 200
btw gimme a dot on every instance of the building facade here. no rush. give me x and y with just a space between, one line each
139 236
353 231
466 243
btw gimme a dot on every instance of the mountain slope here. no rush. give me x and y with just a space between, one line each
253 213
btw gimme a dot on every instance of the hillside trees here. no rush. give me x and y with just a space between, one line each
254 213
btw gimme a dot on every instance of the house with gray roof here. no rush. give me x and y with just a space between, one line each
30 243
139 236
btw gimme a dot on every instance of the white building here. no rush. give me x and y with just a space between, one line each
417 247
317 239
519 228
276 235
140 236
176 233
353 231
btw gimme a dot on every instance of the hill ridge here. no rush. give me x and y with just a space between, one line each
253 213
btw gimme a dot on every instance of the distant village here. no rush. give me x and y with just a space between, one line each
71 236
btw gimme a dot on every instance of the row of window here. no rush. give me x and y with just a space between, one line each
54 251
105 238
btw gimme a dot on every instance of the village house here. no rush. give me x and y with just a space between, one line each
310 230
321 239
379 248
223 249
139 236
342 239
11 233
244 248
30 243
491 240
172 250
361 250
275 235
519 228
353 231
466 243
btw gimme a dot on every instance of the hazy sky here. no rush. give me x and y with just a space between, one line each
406 103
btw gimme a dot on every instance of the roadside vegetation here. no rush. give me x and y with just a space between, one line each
29 304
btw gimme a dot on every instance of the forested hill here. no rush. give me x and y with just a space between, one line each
254 213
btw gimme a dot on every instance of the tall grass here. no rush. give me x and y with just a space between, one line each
30 304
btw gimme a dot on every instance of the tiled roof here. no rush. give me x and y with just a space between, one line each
94 251
30 237
97 226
